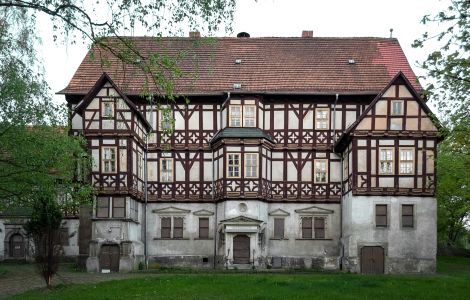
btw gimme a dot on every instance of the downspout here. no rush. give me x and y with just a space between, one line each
213 185
341 188
146 200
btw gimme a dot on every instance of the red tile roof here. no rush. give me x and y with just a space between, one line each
271 65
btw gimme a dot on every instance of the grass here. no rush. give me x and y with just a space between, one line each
452 282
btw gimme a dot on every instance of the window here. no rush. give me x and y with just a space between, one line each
235 112
64 236
134 210
321 171
278 228
233 166
386 161
102 207
249 115
166 120
178 228
406 161
141 166
407 215
109 159
166 227
381 215
108 109
307 227
119 208
166 169
397 108
251 165
245 113
203 228
319 228
321 118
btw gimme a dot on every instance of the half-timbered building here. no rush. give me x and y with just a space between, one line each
290 153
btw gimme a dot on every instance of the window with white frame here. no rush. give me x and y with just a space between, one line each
119 207
235 115
406 161
233 165
166 169
108 109
251 165
321 118
321 171
109 159
249 115
166 120
397 107
386 161
102 207
242 115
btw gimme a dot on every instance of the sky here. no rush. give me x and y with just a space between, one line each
282 18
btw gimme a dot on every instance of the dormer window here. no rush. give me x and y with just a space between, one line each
108 109
242 115
397 108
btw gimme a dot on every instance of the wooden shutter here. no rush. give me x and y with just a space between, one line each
279 228
119 208
407 215
178 228
166 227
102 207
319 226
307 227
203 228
381 215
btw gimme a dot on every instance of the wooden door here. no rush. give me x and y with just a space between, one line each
109 257
241 249
17 246
372 260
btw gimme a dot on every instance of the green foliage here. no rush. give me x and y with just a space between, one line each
453 184
449 66
451 284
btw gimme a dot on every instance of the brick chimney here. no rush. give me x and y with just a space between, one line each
194 34
307 33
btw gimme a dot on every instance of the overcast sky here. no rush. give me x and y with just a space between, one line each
284 18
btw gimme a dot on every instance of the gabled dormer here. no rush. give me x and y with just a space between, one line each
105 109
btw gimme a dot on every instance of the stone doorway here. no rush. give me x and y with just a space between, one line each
241 249
372 260
109 258
17 246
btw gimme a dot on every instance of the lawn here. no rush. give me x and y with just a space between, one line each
452 282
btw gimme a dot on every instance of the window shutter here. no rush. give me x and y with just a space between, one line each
203 228
119 208
279 228
102 207
407 215
307 228
381 215
319 226
166 227
178 228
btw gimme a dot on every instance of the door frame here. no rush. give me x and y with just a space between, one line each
117 246
249 248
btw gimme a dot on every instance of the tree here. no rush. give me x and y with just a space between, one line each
449 70
453 184
449 66
43 226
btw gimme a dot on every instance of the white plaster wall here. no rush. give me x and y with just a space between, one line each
2 240
359 226
72 226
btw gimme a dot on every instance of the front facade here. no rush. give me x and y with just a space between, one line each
291 153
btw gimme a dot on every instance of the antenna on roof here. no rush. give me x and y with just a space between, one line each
391 32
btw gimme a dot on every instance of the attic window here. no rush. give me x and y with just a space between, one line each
237 86
238 61
351 61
